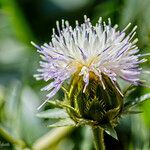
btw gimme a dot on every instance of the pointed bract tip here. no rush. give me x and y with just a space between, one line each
42 104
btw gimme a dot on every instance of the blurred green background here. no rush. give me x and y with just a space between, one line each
22 21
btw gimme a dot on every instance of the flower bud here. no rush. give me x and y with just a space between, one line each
102 106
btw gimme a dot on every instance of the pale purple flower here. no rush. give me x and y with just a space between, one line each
87 48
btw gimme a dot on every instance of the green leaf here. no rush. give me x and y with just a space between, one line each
111 131
55 113
12 109
130 112
55 103
136 101
129 90
19 23
63 122
60 104
31 126
86 143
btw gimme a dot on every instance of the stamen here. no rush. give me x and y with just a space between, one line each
126 27
143 55
35 45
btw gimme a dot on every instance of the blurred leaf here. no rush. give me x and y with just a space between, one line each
130 10
53 113
19 24
70 5
63 122
129 90
130 112
136 101
31 126
87 136
12 109
52 138
11 120
14 56
104 9
65 142
137 11
140 133
146 113
2 92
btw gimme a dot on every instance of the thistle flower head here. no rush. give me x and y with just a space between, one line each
100 50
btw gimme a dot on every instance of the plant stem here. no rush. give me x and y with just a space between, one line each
10 139
98 138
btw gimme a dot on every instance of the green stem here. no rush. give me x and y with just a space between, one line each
98 138
10 139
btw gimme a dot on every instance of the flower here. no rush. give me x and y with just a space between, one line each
100 49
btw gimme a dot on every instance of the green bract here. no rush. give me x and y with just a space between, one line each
97 107
101 106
